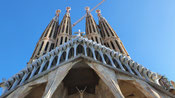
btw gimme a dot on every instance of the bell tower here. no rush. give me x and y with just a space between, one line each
65 29
92 30
110 37
81 68
48 38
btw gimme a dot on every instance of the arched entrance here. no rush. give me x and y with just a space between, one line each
82 79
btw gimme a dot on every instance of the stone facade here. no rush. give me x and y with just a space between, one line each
83 68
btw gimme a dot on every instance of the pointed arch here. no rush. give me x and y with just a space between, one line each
107 60
28 76
96 39
63 57
21 78
71 53
126 69
55 33
61 40
134 71
80 49
52 46
52 30
116 63
112 45
67 27
36 72
46 46
45 66
118 45
65 39
40 47
10 85
54 62
89 52
98 56
63 26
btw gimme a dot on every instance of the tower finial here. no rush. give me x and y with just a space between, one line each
58 12
68 9
98 12
87 9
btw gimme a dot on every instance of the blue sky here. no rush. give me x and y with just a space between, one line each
146 28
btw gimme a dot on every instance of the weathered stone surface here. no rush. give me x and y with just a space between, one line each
56 79
22 91
111 84
109 77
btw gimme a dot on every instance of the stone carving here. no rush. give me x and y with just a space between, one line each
81 92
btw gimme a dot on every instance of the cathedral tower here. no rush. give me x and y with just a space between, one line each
83 67
48 38
110 37
92 30
65 29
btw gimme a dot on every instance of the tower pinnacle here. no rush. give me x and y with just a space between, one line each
92 30
110 37
80 68
65 29
47 40
68 9
58 12
98 12
87 9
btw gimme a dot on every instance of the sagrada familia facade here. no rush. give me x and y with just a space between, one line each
90 64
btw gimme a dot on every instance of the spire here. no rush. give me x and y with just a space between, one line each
92 30
68 10
65 29
111 39
57 14
47 39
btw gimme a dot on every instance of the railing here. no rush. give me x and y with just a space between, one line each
70 50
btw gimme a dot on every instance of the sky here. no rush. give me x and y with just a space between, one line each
146 28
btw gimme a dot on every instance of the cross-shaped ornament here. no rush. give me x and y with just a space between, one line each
79 33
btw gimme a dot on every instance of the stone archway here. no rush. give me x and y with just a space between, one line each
83 77
133 89
36 91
